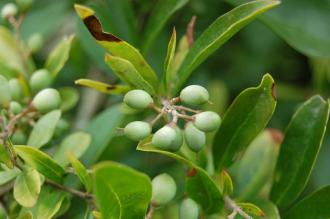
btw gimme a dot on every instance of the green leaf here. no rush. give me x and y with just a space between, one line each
270 210
158 18
76 143
226 183
169 59
81 172
27 187
26 215
313 206
59 55
5 157
116 46
299 150
244 120
128 73
199 185
103 87
44 129
121 192
252 174
218 33
8 175
41 162
69 98
251 209
5 96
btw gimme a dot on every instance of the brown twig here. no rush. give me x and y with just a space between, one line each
230 204
151 211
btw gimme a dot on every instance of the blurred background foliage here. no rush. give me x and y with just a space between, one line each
291 42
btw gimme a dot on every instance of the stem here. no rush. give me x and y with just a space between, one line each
230 204
189 118
151 211
156 108
186 109
153 122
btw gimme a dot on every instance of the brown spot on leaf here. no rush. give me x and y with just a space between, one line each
95 28
190 31
110 87
277 135
274 91
192 172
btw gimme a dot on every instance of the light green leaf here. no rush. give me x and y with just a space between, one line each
59 55
69 98
313 206
244 120
199 185
218 33
5 157
81 172
27 187
76 143
116 46
169 59
128 73
270 210
5 96
251 209
41 162
299 150
158 18
226 183
44 129
103 87
8 175
121 192
26 215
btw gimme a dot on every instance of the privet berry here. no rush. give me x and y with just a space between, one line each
163 189
9 10
40 80
178 141
19 137
138 99
188 209
194 95
15 89
137 130
207 121
165 138
5 96
15 107
195 138
46 100
35 42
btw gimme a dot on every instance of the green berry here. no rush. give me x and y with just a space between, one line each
35 42
207 121
165 138
163 189
5 96
178 140
61 126
9 10
194 95
137 130
24 5
138 99
46 100
189 209
15 107
195 138
15 89
40 79
19 137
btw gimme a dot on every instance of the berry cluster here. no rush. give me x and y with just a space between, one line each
170 137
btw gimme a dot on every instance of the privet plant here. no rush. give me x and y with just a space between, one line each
235 166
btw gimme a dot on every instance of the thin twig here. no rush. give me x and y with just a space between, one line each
186 109
151 211
230 204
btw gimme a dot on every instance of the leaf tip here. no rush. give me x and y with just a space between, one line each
83 11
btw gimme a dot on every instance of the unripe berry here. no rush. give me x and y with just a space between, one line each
138 99
19 137
178 140
24 5
195 138
163 189
15 89
207 121
137 130
188 209
46 100
35 42
15 107
165 138
5 96
61 126
194 95
9 10
40 79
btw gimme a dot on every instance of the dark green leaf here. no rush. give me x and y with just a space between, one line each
81 172
299 150
121 192
103 87
244 120
218 33
41 162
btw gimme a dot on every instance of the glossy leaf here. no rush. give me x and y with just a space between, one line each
44 129
169 58
69 98
76 143
59 55
27 187
218 33
128 73
116 46
158 18
244 120
103 87
8 175
41 162
199 185
81 172
251 209
299 150
121 192
312 206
